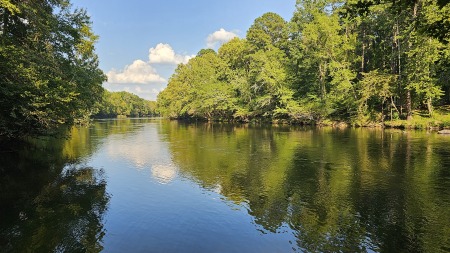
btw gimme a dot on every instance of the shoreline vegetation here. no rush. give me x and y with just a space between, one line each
436 123
49 70
337 63
124 104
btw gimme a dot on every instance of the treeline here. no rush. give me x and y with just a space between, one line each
358 61
49 75
116 104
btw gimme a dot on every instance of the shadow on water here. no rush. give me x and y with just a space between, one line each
350 190
50 201
331 190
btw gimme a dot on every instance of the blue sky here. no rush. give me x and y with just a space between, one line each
141 42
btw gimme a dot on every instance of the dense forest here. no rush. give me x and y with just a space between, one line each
354 61
48 67
116 104
49 71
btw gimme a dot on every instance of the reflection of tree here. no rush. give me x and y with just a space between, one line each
350 190
66 215
49 201
83 141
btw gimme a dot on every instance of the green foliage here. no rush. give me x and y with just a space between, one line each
53 201
357 61
199 89
7 5
268 30
206 51
375 88
324 46
234 53
116 104
422 74
48 68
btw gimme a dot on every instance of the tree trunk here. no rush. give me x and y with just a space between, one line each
408 91
430 107
395 107
408 105
363 50
322 82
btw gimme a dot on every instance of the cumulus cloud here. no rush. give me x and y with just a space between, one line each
146 78
219 37
163 53
139 72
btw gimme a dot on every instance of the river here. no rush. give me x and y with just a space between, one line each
151 185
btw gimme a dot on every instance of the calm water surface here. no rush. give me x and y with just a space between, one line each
143 185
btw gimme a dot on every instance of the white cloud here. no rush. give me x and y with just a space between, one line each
219 37
139 72
163 53
146 78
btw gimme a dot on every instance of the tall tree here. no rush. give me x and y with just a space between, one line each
324 55
268 70
198 89
268 30
342 60
48 67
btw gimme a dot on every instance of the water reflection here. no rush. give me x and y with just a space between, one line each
157 186
141 149
50 200
350 190
164 173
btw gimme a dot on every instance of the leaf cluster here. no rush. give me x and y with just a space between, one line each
49 71
338 60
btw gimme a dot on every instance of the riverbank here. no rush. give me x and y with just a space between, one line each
421 120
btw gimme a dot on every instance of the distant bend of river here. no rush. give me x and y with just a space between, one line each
151 185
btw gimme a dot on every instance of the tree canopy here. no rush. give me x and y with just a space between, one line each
48 67
359 61
116 104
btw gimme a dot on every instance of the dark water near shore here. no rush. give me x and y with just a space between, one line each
143 185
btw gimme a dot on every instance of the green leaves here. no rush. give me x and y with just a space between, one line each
12 8
334 60
123 103
199 89
324 52
49 70
268 30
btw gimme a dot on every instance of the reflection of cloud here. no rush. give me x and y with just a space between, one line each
144 152
217 188
139 155
164 173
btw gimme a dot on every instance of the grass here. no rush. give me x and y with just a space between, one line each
421 120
